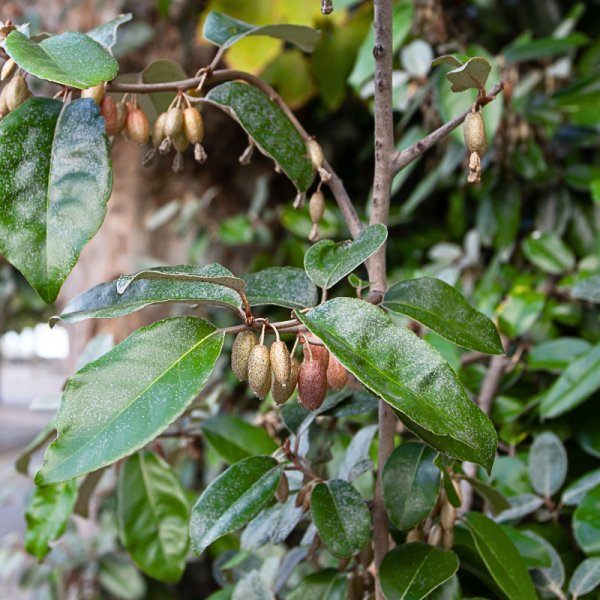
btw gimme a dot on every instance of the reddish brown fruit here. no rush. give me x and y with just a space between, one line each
319 353
138 127
108 109
337 374
259 371
282 394
122 112
312 384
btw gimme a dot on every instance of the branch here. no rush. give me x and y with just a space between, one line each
403 158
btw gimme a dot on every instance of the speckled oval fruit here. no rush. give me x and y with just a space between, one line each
435 535
315 153
319 353
316 206
312 384
337 374
96 93
138 128
447 515
122 113
108 109
448 539
3 106
193 125
414 535
16 92
158 131
180 142
474 132
282 394
9 67
280 362
259 371
283 490
174 122
240 353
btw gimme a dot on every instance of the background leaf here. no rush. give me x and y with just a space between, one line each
282 286
549 253
106 34
547 464
163 71
551 578
586 522
557 354
356 452
575 492
588 289
586 577
252 587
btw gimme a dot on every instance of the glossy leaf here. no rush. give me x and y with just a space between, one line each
577 382
252 587
341 517
586 578
557 354
495 500
520 506
505 564
235 439
447 482
358 403
445 311
586 522
547 464
297 418
106 34
233 499
223 30
549 253
103 301
152 377
576 491
47 516
356 452
55 181
533 551
71 58
450 590
321 585
550 578
409 374
41 439
163 71
412 571
152 512
282 286
269 127
588 289
327 262
410 484
473 74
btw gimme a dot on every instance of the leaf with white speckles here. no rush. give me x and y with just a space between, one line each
473 74
117 404
282 286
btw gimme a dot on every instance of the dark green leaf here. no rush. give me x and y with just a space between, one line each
586 522
235 439
547 464
533 551
445 311
412 571
359 403
327 262
41 439
495 500
543 48
163 71
106 34
549 253
410 484
282 286
588 289
295 417
450 590
47 515
575 492
152 511
449 488
501 557
71 58
321 585
55 181
409 374
552 578
520 312
103 301
341 517
269 127
586 578
233 499
557 354
116 405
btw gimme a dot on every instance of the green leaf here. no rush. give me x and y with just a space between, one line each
586 522
588 289
55 181
235 439
533 551
41 439
223 30
103 300
520 312
552 578
543 48
577 382
106 34
410 484
409 374
252 587
445 311
495 500
116 405
450 590
47 516
359 403
547 464
449 488
121 579
341 517
71 58
163 71
412 571
473 74
549 253
269 127
447 59
356 457
586 578
557 354
297 418
282 286
520 506
327 262
500 555
233 499
575 492
152 512
321 585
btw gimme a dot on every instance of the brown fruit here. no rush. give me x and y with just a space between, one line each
319 353
138 128
448 539
174 122
122 113
180 142
337 374
315 153
435 535
108 109
280 362
312 384
3 106
259 371
475 135
158 132
283 490
16 92
447 515
240 353
316 206
414 535
282 394
96 93
10 66
193 125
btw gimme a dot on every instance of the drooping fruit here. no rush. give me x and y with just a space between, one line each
16 92
280 362
158 131
448 539
108 109
259 371
138 128
282 394
193 125
122 113
475 135
447 515
174 122
319 353
283 490
316 206
414 535
337 374
315 153
180 142
9 67
96 93
240 353
435 535
312 384
3 106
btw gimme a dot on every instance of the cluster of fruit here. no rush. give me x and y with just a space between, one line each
277 370
15 92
